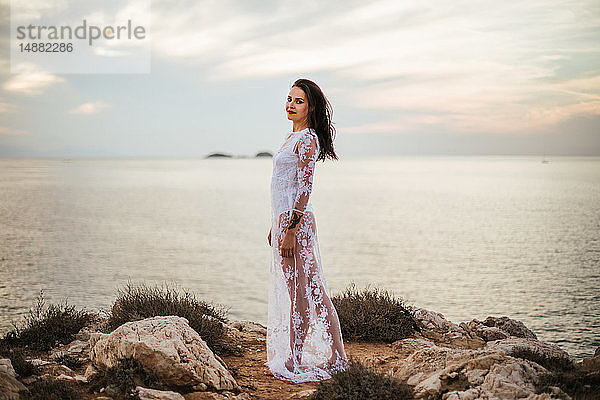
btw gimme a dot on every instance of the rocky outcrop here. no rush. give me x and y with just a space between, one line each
490 359
495 328
591 364
473 360
470 334
166 346
454 373
9 385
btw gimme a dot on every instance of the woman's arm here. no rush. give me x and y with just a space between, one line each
307 157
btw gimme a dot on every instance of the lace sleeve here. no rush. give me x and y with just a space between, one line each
308 151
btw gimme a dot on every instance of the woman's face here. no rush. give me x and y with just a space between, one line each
296 105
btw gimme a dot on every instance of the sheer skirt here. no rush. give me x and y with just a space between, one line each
304 339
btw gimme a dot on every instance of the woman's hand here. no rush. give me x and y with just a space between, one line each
269 237
286 247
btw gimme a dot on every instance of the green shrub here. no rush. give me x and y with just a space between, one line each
361 382
44 328
373 315
48 389
142 301
122 378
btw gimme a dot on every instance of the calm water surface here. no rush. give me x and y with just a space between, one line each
465 236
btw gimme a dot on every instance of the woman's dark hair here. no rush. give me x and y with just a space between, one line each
319 117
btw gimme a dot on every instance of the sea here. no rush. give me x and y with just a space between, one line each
466 236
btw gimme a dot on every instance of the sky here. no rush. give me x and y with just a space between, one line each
403 77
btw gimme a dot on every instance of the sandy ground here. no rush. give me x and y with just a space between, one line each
249 368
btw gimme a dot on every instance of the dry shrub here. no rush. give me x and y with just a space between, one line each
373 315
46 327
137 302
361 382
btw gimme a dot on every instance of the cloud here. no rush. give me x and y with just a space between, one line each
30 80
4 130
90 108
102 51
460 66
6 107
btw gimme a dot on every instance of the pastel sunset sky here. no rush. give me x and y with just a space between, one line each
404 77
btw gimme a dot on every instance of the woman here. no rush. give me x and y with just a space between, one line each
304 340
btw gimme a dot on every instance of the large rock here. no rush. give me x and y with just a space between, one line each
591 364
486 333
432 320
436 327
166 346
9 385
454 373
496 328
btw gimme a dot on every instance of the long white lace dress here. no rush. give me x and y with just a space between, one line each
303 325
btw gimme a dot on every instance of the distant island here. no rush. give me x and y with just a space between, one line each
225 155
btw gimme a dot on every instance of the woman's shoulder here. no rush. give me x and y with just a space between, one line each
309 134
308 138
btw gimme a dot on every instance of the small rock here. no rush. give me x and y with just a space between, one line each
38 362
200 387
305 394
6 367
63 377
152 394
204 396
90 371
248 326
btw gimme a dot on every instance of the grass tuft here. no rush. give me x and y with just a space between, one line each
22 367
576 383
122 378
45 327
373 315
361 382
70 361
137 302
49 389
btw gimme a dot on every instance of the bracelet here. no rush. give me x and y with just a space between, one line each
295 219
